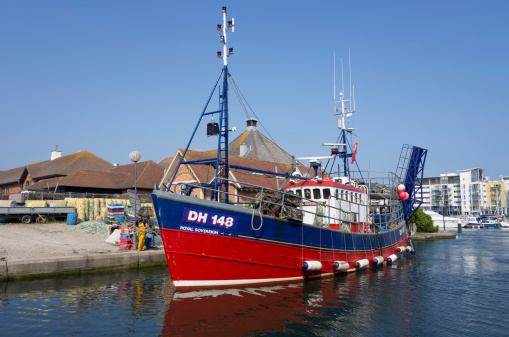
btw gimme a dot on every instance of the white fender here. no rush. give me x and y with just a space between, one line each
341 266
401 249
361 263
391 258
408 249
377 261
312 265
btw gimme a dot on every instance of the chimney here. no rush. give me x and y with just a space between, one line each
56 153
251 124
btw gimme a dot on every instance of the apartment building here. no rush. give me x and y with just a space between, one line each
464 193
442 194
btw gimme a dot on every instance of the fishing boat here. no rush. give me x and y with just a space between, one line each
311 227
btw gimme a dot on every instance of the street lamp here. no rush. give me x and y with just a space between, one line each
135 157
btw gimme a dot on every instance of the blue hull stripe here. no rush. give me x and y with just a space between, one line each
171 210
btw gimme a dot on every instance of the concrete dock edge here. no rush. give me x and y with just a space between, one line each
440 235
80 263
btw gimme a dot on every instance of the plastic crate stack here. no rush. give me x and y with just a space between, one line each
116 212
126 238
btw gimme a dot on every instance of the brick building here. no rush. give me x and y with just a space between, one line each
24 177
81 172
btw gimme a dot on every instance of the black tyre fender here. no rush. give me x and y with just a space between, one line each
411 242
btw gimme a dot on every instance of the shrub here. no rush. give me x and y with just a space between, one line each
424 222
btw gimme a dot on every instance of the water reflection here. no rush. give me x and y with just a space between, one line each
129 302
346 304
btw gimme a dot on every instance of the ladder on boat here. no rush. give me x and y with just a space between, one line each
411 169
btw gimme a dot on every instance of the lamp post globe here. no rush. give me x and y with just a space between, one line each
135 156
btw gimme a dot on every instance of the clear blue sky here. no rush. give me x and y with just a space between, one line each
111 77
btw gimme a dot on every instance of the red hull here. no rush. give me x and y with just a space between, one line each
199 260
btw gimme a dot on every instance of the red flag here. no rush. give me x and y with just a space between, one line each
354 154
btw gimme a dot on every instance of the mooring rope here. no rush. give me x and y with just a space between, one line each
261 218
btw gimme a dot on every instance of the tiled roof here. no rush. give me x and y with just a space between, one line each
166 162
69 164
204 173
11 176
84 178
148 172
257 146
48 183
120 177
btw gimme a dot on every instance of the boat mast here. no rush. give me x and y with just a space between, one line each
222 165
345 114
220 183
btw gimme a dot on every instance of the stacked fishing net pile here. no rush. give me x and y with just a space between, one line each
272 203
91 227
93 208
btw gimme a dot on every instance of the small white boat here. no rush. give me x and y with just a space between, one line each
439 220
471 222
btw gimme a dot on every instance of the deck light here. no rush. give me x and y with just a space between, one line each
219 54
219 27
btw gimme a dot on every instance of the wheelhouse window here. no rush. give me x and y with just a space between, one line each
326 193
307 193
299 193
317 194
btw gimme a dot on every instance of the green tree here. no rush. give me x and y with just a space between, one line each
424 222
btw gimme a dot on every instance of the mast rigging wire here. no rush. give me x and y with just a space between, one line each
243 102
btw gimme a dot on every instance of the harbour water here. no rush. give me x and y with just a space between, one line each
450 288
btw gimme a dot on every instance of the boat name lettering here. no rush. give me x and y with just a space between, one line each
198 230
210 219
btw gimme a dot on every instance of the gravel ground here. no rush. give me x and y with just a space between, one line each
26 241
